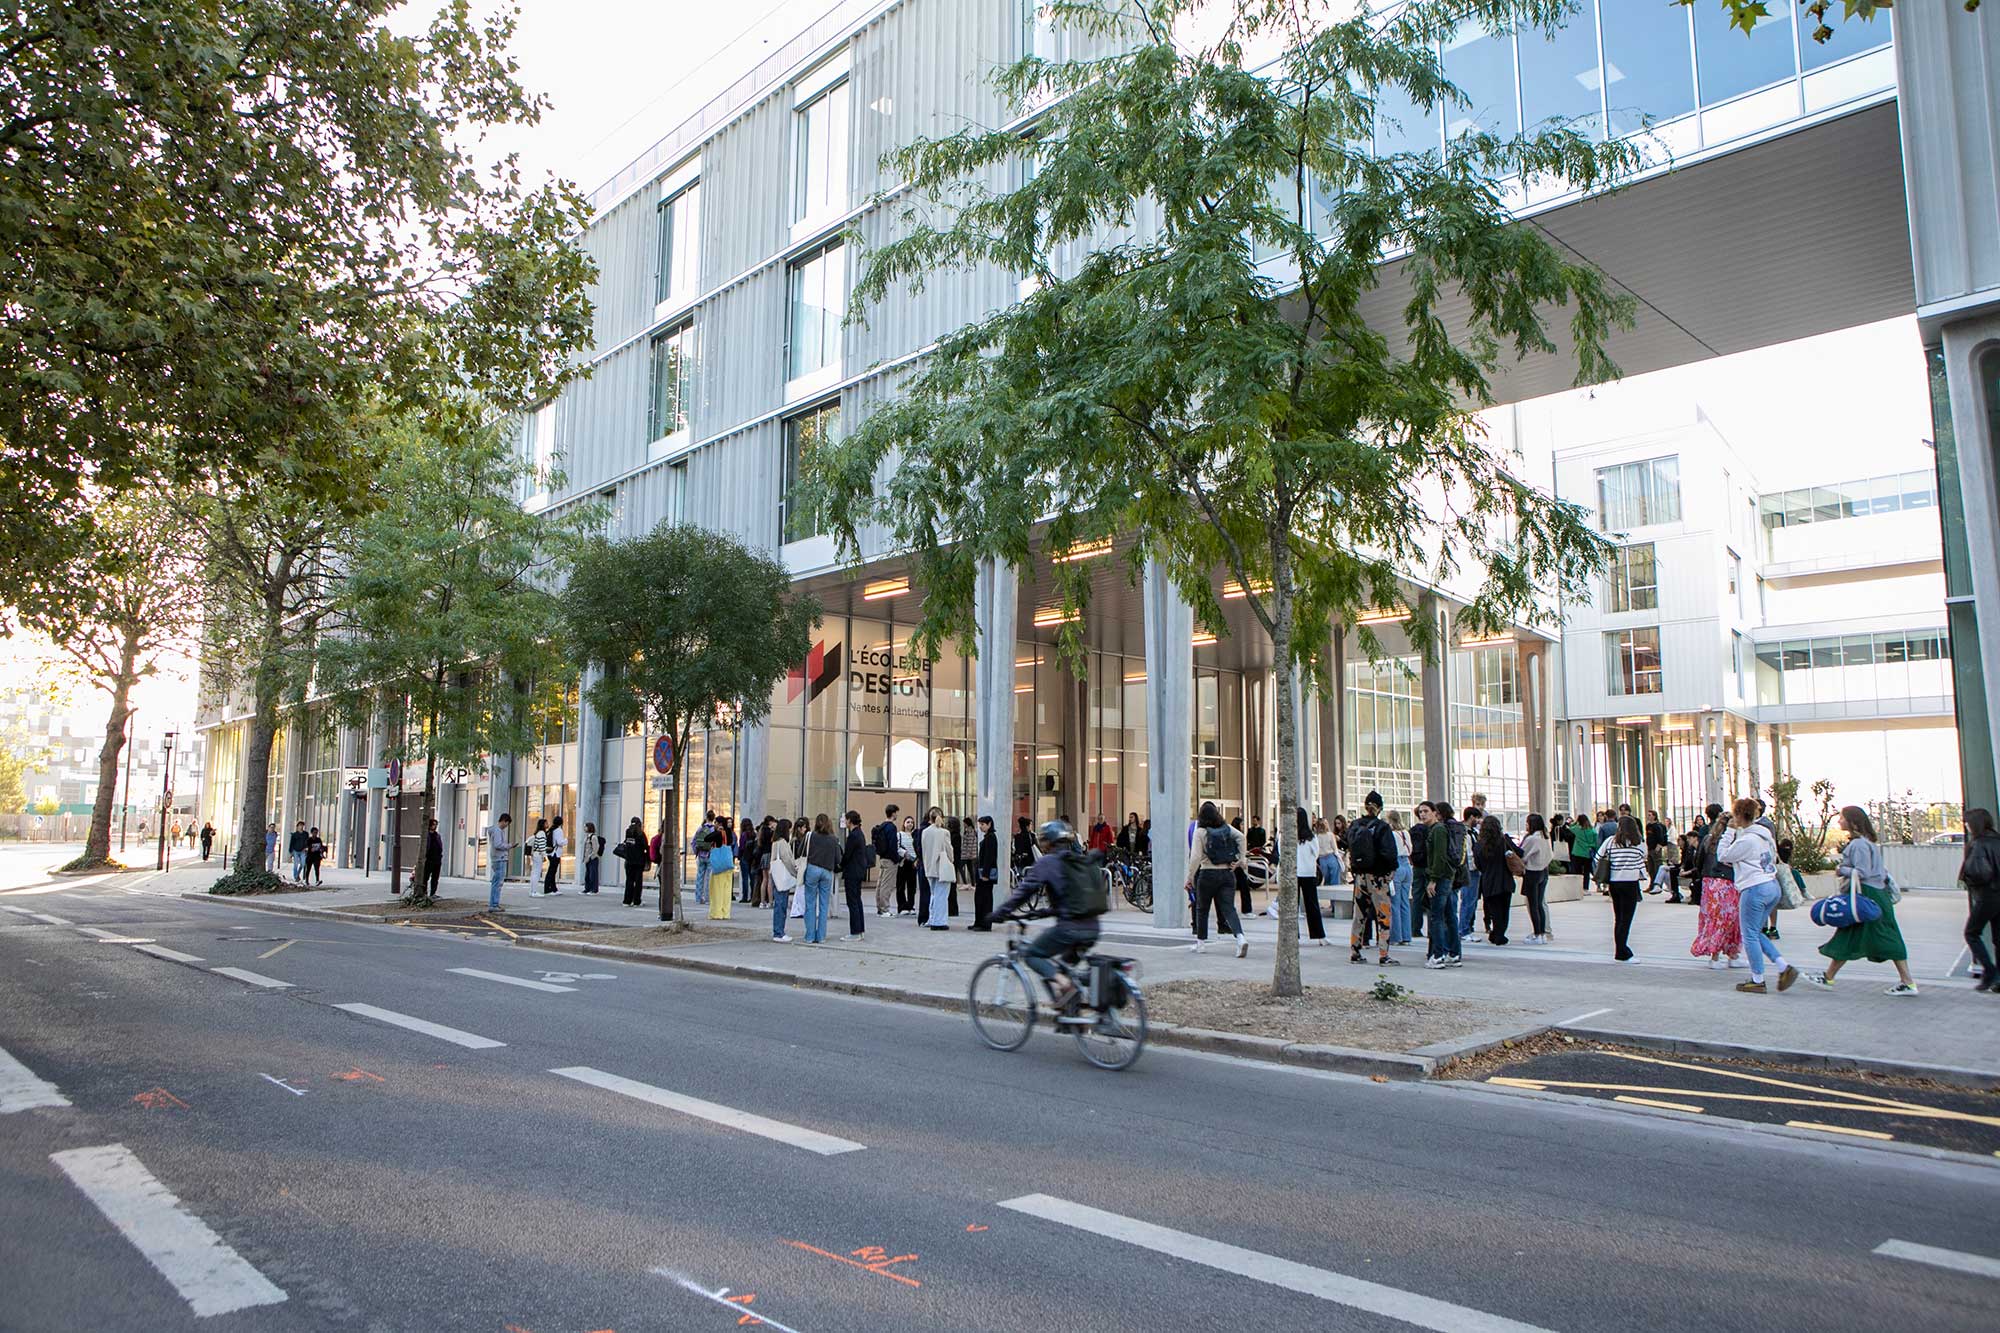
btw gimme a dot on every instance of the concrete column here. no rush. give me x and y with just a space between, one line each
1533 704
294 761
1777 752
1966 345
589 774
995 607
1756 768
1437 734
1333 729
1169 634
376 756
1583 772
753 767
1301 768
1711 748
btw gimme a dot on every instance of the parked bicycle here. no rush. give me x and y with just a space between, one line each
1106 1013
1132 879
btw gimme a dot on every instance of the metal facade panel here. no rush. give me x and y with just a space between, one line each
624 243
734 485
601 422
1948 86
895 100
740 357
746 191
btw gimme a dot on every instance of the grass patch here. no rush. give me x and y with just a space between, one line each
87 864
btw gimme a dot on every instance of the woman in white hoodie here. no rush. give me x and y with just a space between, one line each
1750 850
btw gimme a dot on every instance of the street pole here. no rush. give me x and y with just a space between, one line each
125 818
166 794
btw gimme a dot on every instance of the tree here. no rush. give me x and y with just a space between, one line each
445 601
692 629
1746 14
1808 831
129 593
16 766
1210 386
219 219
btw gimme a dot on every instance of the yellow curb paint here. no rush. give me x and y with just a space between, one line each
1529 1084
1839 1129
1665 1106
280 949
497 926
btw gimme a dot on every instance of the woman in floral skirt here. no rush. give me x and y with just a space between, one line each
1718 936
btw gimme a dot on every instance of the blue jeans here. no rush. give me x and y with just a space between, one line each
1329 870
1754 906
781 906
701 879
819 891
1468 903
1399 902
1444 925
940 902
496 871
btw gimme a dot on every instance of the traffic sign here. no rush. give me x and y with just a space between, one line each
663 782
663 755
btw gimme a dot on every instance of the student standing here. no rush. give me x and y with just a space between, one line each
854 868
784 878
433 865
1979 872
1748 848
1625 857
1582 849
592 852
1445 840
632 851
1399 882
888 860
316 853
1371 854
940 859
822 863
1536 858
985 874
908 898
1496 877
538 850
1718 932
1419 841
499 848
558 843
1880 940
1213 863
207 839
1305 864
295 847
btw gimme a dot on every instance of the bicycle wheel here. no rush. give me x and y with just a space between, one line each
1139 890
1116 1038
1001 1001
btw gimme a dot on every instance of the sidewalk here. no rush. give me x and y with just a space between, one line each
1668 994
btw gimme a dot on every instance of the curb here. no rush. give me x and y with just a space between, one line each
1978 1079
250 901
1448 1053
1334 1059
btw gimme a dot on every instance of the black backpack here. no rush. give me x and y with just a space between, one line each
1454 848
1219 845
885 840
1085 888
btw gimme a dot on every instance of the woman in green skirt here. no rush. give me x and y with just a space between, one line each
1880 940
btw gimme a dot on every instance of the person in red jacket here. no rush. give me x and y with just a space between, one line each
1102 835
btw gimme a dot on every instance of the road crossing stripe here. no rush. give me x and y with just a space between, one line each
162 951
51 920
1957 1260
17 911
22 1090
101 932
722 1297
468 1040
522 982
826 1145
1839 1129
254 978
1355 1293
1665 1106
210 1276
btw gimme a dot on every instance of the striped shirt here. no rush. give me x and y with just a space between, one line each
1628 864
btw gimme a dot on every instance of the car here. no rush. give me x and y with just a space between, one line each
1944 839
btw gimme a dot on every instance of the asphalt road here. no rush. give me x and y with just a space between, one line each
826 1163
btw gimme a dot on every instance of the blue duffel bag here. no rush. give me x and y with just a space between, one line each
1852 908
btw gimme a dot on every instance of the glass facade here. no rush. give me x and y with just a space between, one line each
670 382
677 263
820 178
1873 668
802 435
1632 661
1849 499
1560 79
1634 579
1635 495
1384 726
819 300
1488 731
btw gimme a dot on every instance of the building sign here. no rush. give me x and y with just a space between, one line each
876 676
821 669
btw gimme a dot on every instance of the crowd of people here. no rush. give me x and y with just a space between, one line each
1447 876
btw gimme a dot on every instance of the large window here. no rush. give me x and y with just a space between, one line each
803 434
1633 495
671 377
819 299
1731 62
677 271
1648 64
1632 661
1634 579
820 172
1891 666
1559 74
1483 67
1849 499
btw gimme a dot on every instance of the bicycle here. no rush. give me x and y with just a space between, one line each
1132 880
1106 1013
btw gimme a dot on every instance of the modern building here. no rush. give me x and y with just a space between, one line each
721 353
64 743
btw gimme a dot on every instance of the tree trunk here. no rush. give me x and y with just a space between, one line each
1285 970
97 843
257 767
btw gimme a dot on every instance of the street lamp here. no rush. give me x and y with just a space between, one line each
166 799
125 811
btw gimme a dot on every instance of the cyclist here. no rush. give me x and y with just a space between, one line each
1076 899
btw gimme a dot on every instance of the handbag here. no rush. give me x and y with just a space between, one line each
1516 866
1791 891
1600 869
1848 909
781 877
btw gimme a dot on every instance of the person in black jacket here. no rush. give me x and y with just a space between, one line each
1980 873
854 855
985 874
433 859
315 853
633 852
888 860
1496 881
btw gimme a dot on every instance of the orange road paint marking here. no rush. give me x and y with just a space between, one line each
873 1264
974 1226
155 1098
356 1074
1839 1129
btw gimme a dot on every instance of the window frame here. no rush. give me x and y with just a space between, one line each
806 210
789 527
1622 594
677 245
657 428
1624 678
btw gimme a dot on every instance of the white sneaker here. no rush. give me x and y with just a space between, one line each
1436 964
1198 946
845 938
1901 988
1242 947
781 939
1717 965
1455 961
1735 960
1819 979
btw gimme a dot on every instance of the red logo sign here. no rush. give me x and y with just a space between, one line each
821 669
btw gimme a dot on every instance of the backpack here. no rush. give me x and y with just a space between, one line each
1219 845
885 840
1085 888
1454 846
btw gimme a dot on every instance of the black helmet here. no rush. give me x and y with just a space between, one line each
1054 834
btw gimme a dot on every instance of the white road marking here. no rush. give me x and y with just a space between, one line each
522 982
51 920
826 1145
254 978
721 1297
100 932
1958 1261
17 911
162 951
296 1092
1580 1017
210 1276
468 1040
22 1090
1421 1311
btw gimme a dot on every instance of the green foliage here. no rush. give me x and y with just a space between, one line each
249 876
229 223
446 599
1747 14
15 767
1223 387
1390 992
48 805
1809 830
692 628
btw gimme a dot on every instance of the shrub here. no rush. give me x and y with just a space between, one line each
1388 991
246 879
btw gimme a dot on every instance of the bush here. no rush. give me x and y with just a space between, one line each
247 879
1388 991
92 863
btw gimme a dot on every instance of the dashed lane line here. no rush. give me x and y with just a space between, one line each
722 1297
469 1040
1958 1261
210 1276
1355 1293
502 977
798 1136
162 951
21 1089
254 978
